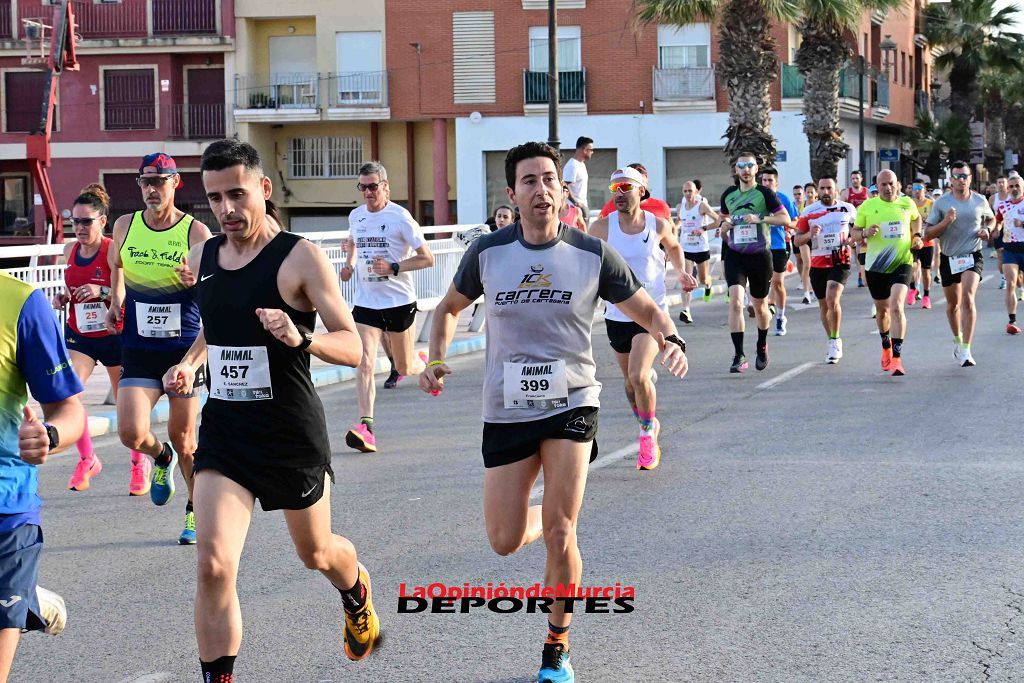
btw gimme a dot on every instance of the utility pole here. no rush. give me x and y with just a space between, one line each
553 75
862 77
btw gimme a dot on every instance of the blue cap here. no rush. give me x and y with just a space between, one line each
158 163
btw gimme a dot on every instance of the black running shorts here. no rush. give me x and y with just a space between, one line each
620 334
146 368
925 256
506 443
697 256
880 284
948 278
820 277
755 269
780 259
276 487
397 319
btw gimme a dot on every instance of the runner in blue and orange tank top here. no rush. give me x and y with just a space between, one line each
161 320
87 296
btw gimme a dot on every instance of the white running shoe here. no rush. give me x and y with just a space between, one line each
832 357
968 359
958 353
839 347
52 610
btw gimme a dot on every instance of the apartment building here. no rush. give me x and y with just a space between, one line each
151 79
650 96
315 90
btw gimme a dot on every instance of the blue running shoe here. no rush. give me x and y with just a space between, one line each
162 489
555 666
188 534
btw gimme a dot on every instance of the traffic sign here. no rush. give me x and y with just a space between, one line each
889 154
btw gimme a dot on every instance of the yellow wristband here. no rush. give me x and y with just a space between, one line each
435 362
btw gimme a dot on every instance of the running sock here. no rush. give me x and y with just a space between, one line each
926 291
707 291
188 507
886 341
557 634
833 335
780 312
646 421
1013 318
392 361
636 413
137 457
84 444
897 347
220 670
762 340
959 340
368 421
965 347
737 342
164 459
355 597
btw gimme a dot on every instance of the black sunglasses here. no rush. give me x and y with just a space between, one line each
154 181
961 176
372 187
84 221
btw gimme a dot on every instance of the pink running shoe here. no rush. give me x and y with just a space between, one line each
85 470
911 297
926 301
650 451
142 473
361 438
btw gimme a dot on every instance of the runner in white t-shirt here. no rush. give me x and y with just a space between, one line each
575 174
695 217
385 245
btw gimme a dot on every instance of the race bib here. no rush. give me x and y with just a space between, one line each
830 240
744 234
536 385
693 240
158 321
959 264
1015 234
892 230
90 316
240 373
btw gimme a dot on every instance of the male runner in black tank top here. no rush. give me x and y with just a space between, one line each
263 434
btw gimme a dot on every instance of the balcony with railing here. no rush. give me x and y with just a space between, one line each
357 95
880 97
193 121
132 18
277 97
572 87
685 84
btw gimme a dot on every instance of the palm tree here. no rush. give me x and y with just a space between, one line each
932 141
974 35
825 27
747 64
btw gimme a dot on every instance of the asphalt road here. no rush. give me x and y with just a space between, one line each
808 523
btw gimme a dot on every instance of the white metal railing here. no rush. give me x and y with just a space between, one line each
431 283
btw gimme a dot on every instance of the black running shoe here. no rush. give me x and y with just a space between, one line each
761 361
684 316
393 379
739 364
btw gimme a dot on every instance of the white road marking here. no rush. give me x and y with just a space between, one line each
787 375
159 677
602 461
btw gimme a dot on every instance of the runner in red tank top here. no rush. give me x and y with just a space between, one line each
857 194
87 296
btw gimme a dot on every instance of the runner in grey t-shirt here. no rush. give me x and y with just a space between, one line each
960 220
541 282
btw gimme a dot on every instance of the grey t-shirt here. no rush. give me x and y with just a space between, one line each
961 238
540 302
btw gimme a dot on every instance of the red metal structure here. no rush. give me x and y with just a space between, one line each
61 57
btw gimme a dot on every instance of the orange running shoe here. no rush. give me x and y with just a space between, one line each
897 367
85 470
886 359
362 627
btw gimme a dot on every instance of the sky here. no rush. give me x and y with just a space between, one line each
1020 15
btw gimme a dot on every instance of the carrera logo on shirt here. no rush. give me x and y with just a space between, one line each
535 286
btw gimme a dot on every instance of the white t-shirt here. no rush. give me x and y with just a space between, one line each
689 220
393 235
575 173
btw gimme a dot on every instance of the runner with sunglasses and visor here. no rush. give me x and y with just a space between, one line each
160 321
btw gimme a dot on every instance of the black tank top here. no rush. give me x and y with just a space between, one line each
262 408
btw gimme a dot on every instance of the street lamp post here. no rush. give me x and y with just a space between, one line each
553 75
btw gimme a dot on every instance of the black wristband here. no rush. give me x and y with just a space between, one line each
52 435
673 338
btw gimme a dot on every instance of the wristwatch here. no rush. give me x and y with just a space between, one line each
51 433
394 268
307 337
674 339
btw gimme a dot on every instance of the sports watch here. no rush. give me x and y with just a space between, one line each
307 337
52 435
394 268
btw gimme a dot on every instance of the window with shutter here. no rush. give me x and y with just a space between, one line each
129 99
473 57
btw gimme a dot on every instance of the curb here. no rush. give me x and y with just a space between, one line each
105 421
